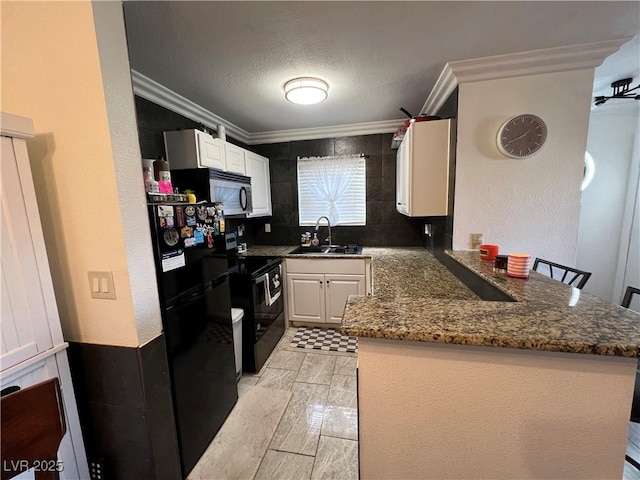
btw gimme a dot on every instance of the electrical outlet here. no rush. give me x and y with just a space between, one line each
475 240
101 285
428 229
267 227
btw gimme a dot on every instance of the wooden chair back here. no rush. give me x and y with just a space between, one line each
33 425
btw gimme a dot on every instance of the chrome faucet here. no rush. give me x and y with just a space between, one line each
328 225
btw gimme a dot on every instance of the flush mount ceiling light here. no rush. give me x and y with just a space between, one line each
306 90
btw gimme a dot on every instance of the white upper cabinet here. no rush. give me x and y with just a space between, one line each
235 158
422 181
194 149
257 168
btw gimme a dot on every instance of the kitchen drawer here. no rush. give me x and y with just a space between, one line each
326 265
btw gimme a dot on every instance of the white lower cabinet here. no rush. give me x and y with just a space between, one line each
317 290
337 290
306 297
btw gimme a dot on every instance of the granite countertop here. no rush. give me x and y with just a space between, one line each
283 251
416 298
267 251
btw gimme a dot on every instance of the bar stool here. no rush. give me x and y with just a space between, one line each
628 296
32 428
578 276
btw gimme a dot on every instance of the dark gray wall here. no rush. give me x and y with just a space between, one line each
385 226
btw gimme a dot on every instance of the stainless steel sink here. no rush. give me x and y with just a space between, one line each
328 250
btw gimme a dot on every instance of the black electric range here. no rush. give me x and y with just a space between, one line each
263 321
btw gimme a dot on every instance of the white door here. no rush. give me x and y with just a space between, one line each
337 290
26 281
235 158
258 170
210 151
305 293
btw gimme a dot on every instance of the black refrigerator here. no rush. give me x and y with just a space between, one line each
193 285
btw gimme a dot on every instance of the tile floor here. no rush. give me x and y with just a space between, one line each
295 419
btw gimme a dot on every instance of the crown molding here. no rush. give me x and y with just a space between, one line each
446 83
533 62
153 91
369 128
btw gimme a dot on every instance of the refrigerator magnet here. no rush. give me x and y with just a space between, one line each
169 221
179 217
186 232
189 242
201 212
198 236
190 210
165 211
191 221
171 237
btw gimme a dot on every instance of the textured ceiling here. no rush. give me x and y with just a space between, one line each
233 58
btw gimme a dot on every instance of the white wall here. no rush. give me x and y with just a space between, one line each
118 94
437 411
610 142
530 205
51 72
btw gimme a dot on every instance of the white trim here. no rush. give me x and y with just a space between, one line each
446 83
369 128
153 91
629 221
15 126
533 62
16 371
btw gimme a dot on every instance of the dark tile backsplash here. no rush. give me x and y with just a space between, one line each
385 226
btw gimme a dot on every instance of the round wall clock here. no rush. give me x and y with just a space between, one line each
522 136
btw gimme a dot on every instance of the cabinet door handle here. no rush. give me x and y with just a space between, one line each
320 282
327 282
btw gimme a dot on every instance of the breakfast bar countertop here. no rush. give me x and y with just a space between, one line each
416 298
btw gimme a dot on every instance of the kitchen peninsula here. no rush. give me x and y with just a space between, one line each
451 386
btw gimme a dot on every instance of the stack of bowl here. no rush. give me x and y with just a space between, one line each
518 265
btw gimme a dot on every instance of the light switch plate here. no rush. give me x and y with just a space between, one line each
267 227
475 240
101 285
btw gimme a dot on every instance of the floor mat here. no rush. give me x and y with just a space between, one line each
319 339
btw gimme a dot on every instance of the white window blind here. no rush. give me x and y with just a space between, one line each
334 187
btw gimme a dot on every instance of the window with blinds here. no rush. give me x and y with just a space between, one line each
334 187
